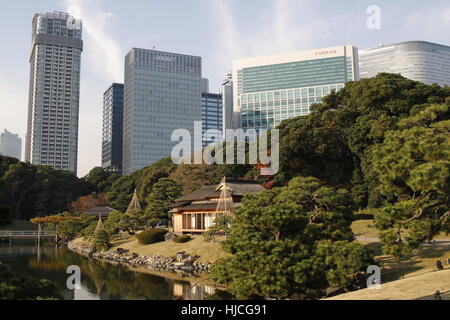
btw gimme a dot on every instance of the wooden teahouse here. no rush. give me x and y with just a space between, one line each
196 212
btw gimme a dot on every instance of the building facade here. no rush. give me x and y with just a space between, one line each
10 145
53 109
162 93
416 60
268 90
227 103
211 116
112 140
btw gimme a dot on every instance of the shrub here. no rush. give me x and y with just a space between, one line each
151 236
101 240
182 239
88 232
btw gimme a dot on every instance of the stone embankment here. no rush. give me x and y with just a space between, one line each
182 262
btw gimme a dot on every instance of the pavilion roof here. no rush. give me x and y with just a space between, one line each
235 188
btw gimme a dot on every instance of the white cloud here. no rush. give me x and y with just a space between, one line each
102 50
102 64
230 42
288 26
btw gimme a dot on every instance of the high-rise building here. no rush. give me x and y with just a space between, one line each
268 90
205 85
10 145
416 60
52 131
227 103
112 128
211 115
162 94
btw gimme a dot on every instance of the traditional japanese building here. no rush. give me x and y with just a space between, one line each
196 212
99 211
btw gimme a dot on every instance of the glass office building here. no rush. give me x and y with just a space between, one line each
416 60
162 93
211 114
112 128
53 109
268 90
10 145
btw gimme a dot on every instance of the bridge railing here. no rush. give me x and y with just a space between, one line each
12 234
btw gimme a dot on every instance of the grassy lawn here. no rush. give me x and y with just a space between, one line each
208 251
367 228
405 289
422 260
364 228
20 226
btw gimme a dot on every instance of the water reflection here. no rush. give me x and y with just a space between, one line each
100 280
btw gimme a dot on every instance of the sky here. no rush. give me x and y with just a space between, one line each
217 30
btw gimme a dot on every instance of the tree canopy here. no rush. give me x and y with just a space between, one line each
294 239
413 164
32 191
162 195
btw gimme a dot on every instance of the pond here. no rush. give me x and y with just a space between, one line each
99 280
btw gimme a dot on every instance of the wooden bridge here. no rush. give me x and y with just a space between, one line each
35 235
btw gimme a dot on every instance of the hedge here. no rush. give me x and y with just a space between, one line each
182 239
150 236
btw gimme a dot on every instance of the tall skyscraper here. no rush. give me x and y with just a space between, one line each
416 60
113 128
227 103
211 114
162 94
205 85
10 145
52 132
268 90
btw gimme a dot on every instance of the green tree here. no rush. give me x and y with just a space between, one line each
413 164
31 191
163 193
152 174
101 179
101 239
70 229
132 222
112 223
122 191
279 238
333 143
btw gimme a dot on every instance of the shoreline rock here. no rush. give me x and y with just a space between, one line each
182 262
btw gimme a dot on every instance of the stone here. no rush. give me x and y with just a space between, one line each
121 251
133 256
170 236
181 256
